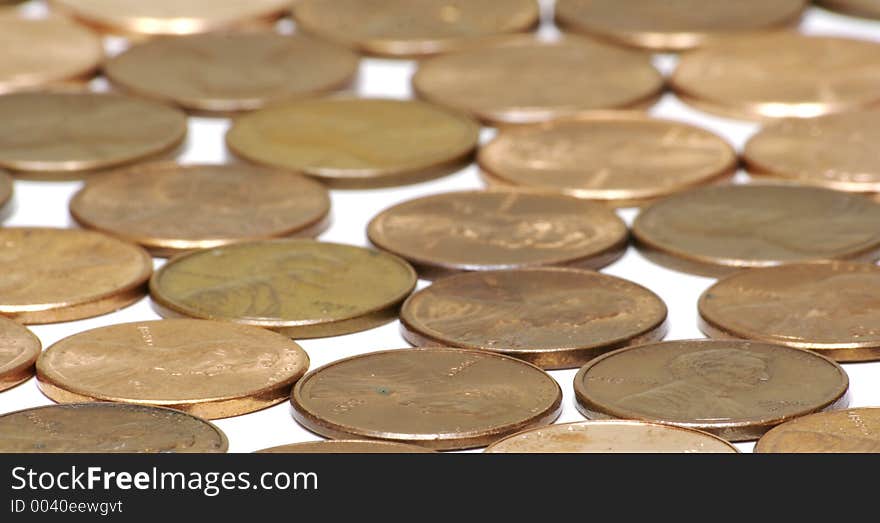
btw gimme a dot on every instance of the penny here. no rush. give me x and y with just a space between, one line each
407 28
440 398
865 8
209 369
734 389
611 436
228 72
339 446
107 428
19 349
302 288
852 430
359 143
492 230
675 25
552 318
782 74
78 132
56 275
715 230
525 80
6 189
621 160
170 208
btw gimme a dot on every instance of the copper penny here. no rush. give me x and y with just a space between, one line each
851 430
341 446
552 318
440 398
6 189
19 349
865 8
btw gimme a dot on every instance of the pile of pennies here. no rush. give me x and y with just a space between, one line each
492 287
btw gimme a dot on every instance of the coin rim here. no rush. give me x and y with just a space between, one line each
290 448
25 370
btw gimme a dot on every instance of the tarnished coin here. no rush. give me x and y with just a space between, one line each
341 446
552 318
622 160
851 430
6 188
77 132
209 369
491 230
778 75
866 8
440 398
715 230
734 389
302 288
19 349
524 80
227 72
169 208
402 28
673 25
611 436
349 142
55 275
107 428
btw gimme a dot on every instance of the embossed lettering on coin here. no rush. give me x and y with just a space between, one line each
19 349
852 430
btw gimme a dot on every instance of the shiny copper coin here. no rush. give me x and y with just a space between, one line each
525 80
714 231
673 25
734 389
348 142
78 132
552 318
622 160
302 288
19 349
780 75
169 208
440 398
6 188
851 430
865 8
340 446
231 71
401 28
104 428
55 275
611 436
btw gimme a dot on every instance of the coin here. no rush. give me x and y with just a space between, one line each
107 428
675 25
525 80
622 160
55 275
77 132
491 230
360 143
6 188
405 28
339 446
170 208
611 436
865 8
19 349
780 75
734 389
302 288
852 430
440 398
715 230
227 72
552 318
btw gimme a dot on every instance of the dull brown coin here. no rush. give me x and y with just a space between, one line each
611 436
302 288
349 142
170 208
228 72
851 430
209 369
622 160
675 25
55 275
440 398
778 75
107 428
524 80
491 230
6 188
552 318
865 8
19 349
714 231
78 132
734 389
403 28
341 446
